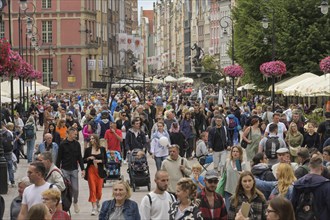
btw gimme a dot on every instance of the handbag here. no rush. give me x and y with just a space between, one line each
244 144
222 183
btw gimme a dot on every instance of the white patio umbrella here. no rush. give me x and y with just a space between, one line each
220 98
200 95
189 80
185 80
5 99
154 80
6 88
170 79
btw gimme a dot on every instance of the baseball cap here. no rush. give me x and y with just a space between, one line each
211 174
282 150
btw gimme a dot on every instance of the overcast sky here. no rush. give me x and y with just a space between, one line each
146 4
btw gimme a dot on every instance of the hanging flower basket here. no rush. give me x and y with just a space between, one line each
273 68
35 75
325 65
234 71
4 55
13 66
26 70
4 51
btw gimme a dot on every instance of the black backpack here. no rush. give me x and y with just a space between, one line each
7 141
29 132
66 195
327 131
306 208
272 145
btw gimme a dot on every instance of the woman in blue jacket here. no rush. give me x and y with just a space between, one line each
121 207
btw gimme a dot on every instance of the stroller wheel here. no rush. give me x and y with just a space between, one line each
149 186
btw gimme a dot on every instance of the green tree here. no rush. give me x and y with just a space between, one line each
302 36
209 64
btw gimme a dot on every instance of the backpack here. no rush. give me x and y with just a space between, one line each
306 209
232 124
7 141
66 195
171 195
29 131
327 131
272 145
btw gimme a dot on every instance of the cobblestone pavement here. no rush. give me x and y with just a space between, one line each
85 206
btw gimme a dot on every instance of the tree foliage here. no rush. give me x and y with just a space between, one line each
209 64
302 36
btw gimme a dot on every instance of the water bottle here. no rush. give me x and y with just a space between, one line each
273 150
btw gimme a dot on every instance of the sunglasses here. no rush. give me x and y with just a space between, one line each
214 181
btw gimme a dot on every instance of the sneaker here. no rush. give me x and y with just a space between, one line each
125 162
98 205
93 212
76 208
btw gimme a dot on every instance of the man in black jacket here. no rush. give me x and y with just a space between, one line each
303 158
123 124
68 158
135 138
319 186
200 120
219 143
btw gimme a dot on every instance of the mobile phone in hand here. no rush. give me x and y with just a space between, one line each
238 165
245 209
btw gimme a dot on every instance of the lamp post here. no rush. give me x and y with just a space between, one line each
224 23
265 25
31 32
51 49
324 7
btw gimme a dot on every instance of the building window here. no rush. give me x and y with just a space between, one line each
2 29
46 4
47 71
47 32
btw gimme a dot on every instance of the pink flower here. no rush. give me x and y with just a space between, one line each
26 70
273 68
325 65
13 66
234 71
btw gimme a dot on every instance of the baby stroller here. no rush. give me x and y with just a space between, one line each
138 169
113 165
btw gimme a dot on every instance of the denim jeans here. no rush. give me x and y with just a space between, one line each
227 200
29 149
72 175
159 161
190 148
219 159
9 160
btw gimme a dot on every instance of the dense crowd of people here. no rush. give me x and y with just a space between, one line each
259 162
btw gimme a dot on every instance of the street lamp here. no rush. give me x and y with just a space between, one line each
224 23
265 25
31 33
324 7
49 74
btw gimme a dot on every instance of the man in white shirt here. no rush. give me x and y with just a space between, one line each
283 156
281 129
271 143
32 194
156 204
